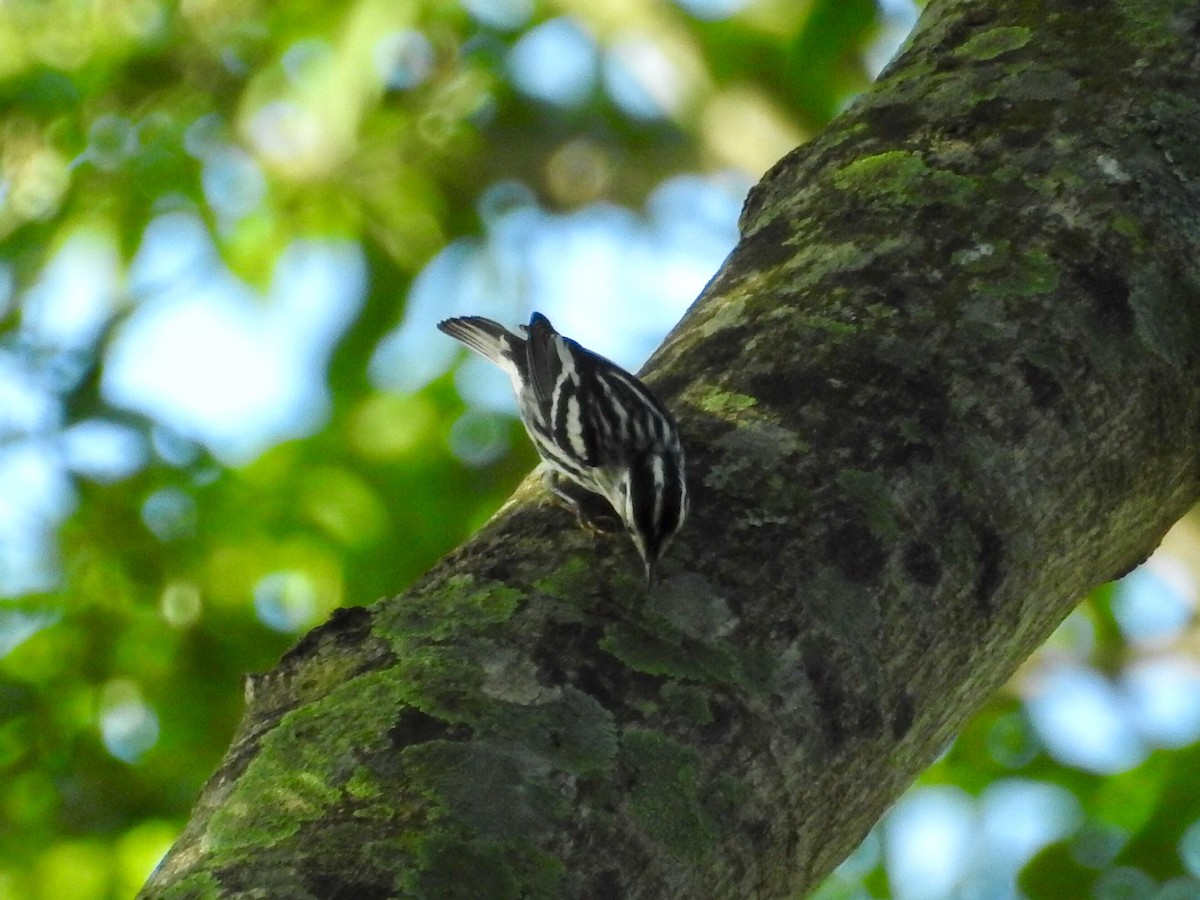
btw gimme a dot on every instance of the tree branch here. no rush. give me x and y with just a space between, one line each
946 384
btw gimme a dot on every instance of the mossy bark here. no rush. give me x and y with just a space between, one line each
947 383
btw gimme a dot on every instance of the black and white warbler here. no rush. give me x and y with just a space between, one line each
593 423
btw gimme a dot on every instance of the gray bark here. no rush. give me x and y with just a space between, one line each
945 385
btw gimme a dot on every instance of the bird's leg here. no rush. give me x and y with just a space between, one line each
594 513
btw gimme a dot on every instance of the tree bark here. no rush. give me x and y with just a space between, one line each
946 383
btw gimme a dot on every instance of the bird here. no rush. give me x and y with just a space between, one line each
593 424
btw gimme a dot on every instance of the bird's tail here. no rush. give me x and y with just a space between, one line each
489 339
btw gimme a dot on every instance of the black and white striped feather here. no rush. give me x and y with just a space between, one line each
592 422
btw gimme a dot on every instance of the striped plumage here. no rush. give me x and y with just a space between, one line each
592 422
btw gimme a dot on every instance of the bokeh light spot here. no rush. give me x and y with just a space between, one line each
403 59
75 295
1155 601
1189 848
207 134
306 59
388 426
111 141
34 186
1097 844
36 496
180 604
234 185
18 626
1124 883
7 283
712 10
1018 817
1080 718
286 601
344 506
928 838
502 199
479 439
128 725
240 372
1183 888
1163 698
75 870
504 15
291 137
641 79
103 451
27 402
578 172
169 513
1011 741
173 448
555 62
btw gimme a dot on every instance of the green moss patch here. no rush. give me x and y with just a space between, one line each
995 42
904 178
665 792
